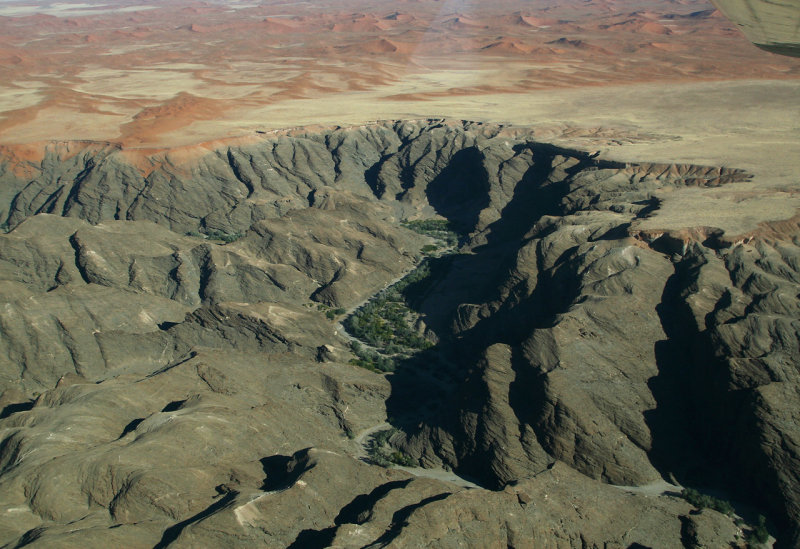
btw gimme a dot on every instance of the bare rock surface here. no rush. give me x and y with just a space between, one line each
173 372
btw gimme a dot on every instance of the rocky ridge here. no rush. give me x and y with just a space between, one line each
163 385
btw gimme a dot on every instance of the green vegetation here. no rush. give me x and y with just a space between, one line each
385 325
225 237
384 455
429 248
371 360
384 322
702 501
759 534
330 314
755 537
213 234
440 229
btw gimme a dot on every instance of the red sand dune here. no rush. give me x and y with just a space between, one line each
528 20
563 42
380 46
180 111
194 27
278 26
638 25
400 17
666 46
11 57
652 27
358 23
505 46
461 22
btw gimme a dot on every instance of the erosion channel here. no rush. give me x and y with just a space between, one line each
174 370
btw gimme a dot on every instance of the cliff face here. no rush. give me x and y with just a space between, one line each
169 376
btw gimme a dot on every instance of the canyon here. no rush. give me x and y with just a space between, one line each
431 273
165 385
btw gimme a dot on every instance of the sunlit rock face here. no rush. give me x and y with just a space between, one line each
772 25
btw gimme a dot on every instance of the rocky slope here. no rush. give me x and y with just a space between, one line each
168 375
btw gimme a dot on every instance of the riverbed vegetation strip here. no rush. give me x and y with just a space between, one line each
386 328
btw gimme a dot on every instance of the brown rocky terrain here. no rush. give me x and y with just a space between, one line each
170 377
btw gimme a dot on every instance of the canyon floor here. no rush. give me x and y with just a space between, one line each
569 230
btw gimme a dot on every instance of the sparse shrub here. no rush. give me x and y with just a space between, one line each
225 237
393 349
440 229
378 459
759 534
384 455
399 458
370 360
330 315
214 234
381 438
702 501
429 225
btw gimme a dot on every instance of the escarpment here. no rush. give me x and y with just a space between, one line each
174 371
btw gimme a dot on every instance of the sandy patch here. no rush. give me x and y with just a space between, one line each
54 122
721 208
154 84
135 84
13 98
